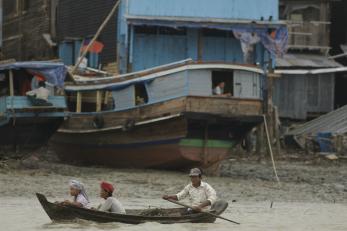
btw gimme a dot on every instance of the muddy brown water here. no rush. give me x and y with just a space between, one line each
309 198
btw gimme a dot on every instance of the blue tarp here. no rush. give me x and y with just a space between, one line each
54 73
324 140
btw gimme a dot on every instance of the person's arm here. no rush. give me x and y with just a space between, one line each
170 197
179 196
31 93
77 204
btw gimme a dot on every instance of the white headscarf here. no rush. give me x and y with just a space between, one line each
79 186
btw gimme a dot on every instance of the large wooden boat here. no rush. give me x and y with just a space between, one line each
61 213
165 117
23 125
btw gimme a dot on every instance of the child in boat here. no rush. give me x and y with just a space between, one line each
111 204
79 193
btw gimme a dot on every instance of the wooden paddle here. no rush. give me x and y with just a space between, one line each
190 207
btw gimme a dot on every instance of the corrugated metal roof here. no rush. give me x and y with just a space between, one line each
311 71
334 122
305 60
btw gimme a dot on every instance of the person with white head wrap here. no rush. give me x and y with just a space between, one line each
78 191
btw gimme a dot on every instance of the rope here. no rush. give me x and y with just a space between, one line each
270 150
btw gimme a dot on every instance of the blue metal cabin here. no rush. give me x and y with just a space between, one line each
21 123
156 32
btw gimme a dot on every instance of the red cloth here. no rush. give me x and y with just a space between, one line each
97 47
107 187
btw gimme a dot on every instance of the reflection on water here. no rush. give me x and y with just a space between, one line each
27 214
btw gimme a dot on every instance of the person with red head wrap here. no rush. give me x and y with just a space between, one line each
111 203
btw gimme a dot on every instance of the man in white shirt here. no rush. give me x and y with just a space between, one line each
201 195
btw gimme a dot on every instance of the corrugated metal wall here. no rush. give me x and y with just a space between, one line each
247 85
152 50
222 49
200 82
297 95
321 93
124 98
229 9
215 48
167 87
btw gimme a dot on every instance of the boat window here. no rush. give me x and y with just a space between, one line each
226 77
141 96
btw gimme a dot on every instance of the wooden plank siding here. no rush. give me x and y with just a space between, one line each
221 106
23 28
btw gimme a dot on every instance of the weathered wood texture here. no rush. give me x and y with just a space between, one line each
221 106
308 23
25 22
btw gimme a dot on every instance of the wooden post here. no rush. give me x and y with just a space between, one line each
79 102
106 98
276 131
98 100
260 139
11 83
205 154
269 115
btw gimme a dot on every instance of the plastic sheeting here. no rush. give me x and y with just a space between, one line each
54 73
274 40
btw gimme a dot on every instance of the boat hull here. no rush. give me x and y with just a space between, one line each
163 144
61 213
28 133
176 143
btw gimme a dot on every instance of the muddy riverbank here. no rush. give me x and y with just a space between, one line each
241 180
312 194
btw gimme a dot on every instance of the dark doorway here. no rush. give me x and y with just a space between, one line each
338 31
340 89
224 76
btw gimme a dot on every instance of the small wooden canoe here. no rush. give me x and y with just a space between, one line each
61 213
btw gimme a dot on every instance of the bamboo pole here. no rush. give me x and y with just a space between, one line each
106 97
95 36
11 83
270 150
79 102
